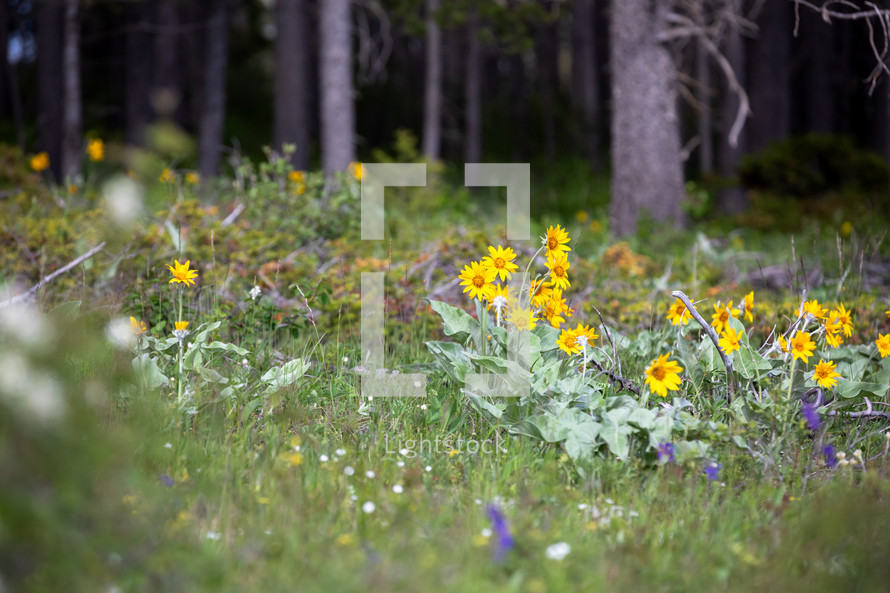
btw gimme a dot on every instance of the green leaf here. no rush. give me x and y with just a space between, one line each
148 371
211 376
287 374
581 440
451 358
227 347
615 432
850 389
547 336
457 323
71 310
750 364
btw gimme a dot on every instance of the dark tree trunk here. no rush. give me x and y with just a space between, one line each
167 94
292 80
518 106
546 57
585 95
432 93
731 200
72 124
193 67
214 91
50 101
473 98
4 60
769 75
335 97
138 71
703 79
818 41
647 175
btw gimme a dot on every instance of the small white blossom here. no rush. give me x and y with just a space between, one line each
370 474
397 488
323 458
214 535
369 507
429 468
400 463
486 532
558 551
348 470
340 452
255 292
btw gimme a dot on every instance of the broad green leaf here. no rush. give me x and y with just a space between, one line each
287 374
581 440
749 364
227 347
849 389
452 358
71 310
212 376
148 371
615 434
456 323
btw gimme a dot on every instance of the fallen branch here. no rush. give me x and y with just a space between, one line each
615 379
50 277
730 378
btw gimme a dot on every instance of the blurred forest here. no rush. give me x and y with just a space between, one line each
487 80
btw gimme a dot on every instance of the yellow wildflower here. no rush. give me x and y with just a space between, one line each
182 274
478 281
522 319
663 375
729 340
678 313
559 271
557 240
825 375
883 344
720 318
501 260
568 342
166 176
749 306
137 326
802 346
40 162
96 150
193 178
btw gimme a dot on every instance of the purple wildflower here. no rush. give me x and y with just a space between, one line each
503 540
666 453
830 457
166 480
712 470
811 415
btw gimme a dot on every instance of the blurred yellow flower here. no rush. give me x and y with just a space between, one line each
501 260
883 344
783 343
296 177
846 228
40 162
166 176
813 308
72 189
541 292
181 273
678 313
663 375
96 150
846 319
292 458
522 319
345 539
729 340
581 216
825 375
193 178
802 346
181 325
749 306
477 280
137 326
356 170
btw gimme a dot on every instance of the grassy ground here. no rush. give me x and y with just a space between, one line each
113 486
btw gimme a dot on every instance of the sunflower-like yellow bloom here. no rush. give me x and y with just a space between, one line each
137 326
96 150
552 312
783 343
540 293
846 319
813 308
720 318
501 260
825 375
883 344
559 271
557 240
729 340
181 325
749 306
182 274
522 319
663 375
678 313
505 292
802 346
585 334
166 176
477 280
833 329
40 162
568 342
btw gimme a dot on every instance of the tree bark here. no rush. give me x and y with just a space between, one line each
292 80
818 41
584 79
214 88
432 95
72 125
138 72
647 175
50 18
473 97
769 75
546 58
337 107
167 94
731 200
703 79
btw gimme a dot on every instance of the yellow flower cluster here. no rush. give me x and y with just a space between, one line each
96 150
486 280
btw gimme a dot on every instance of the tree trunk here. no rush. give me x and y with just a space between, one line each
337 108
584 79
432 95
647 175
518 107
292 80
473 98
546 58
769 75
731 200
703 79
167 94
138 72
4 59
72 125
214 88
818 41
50 18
